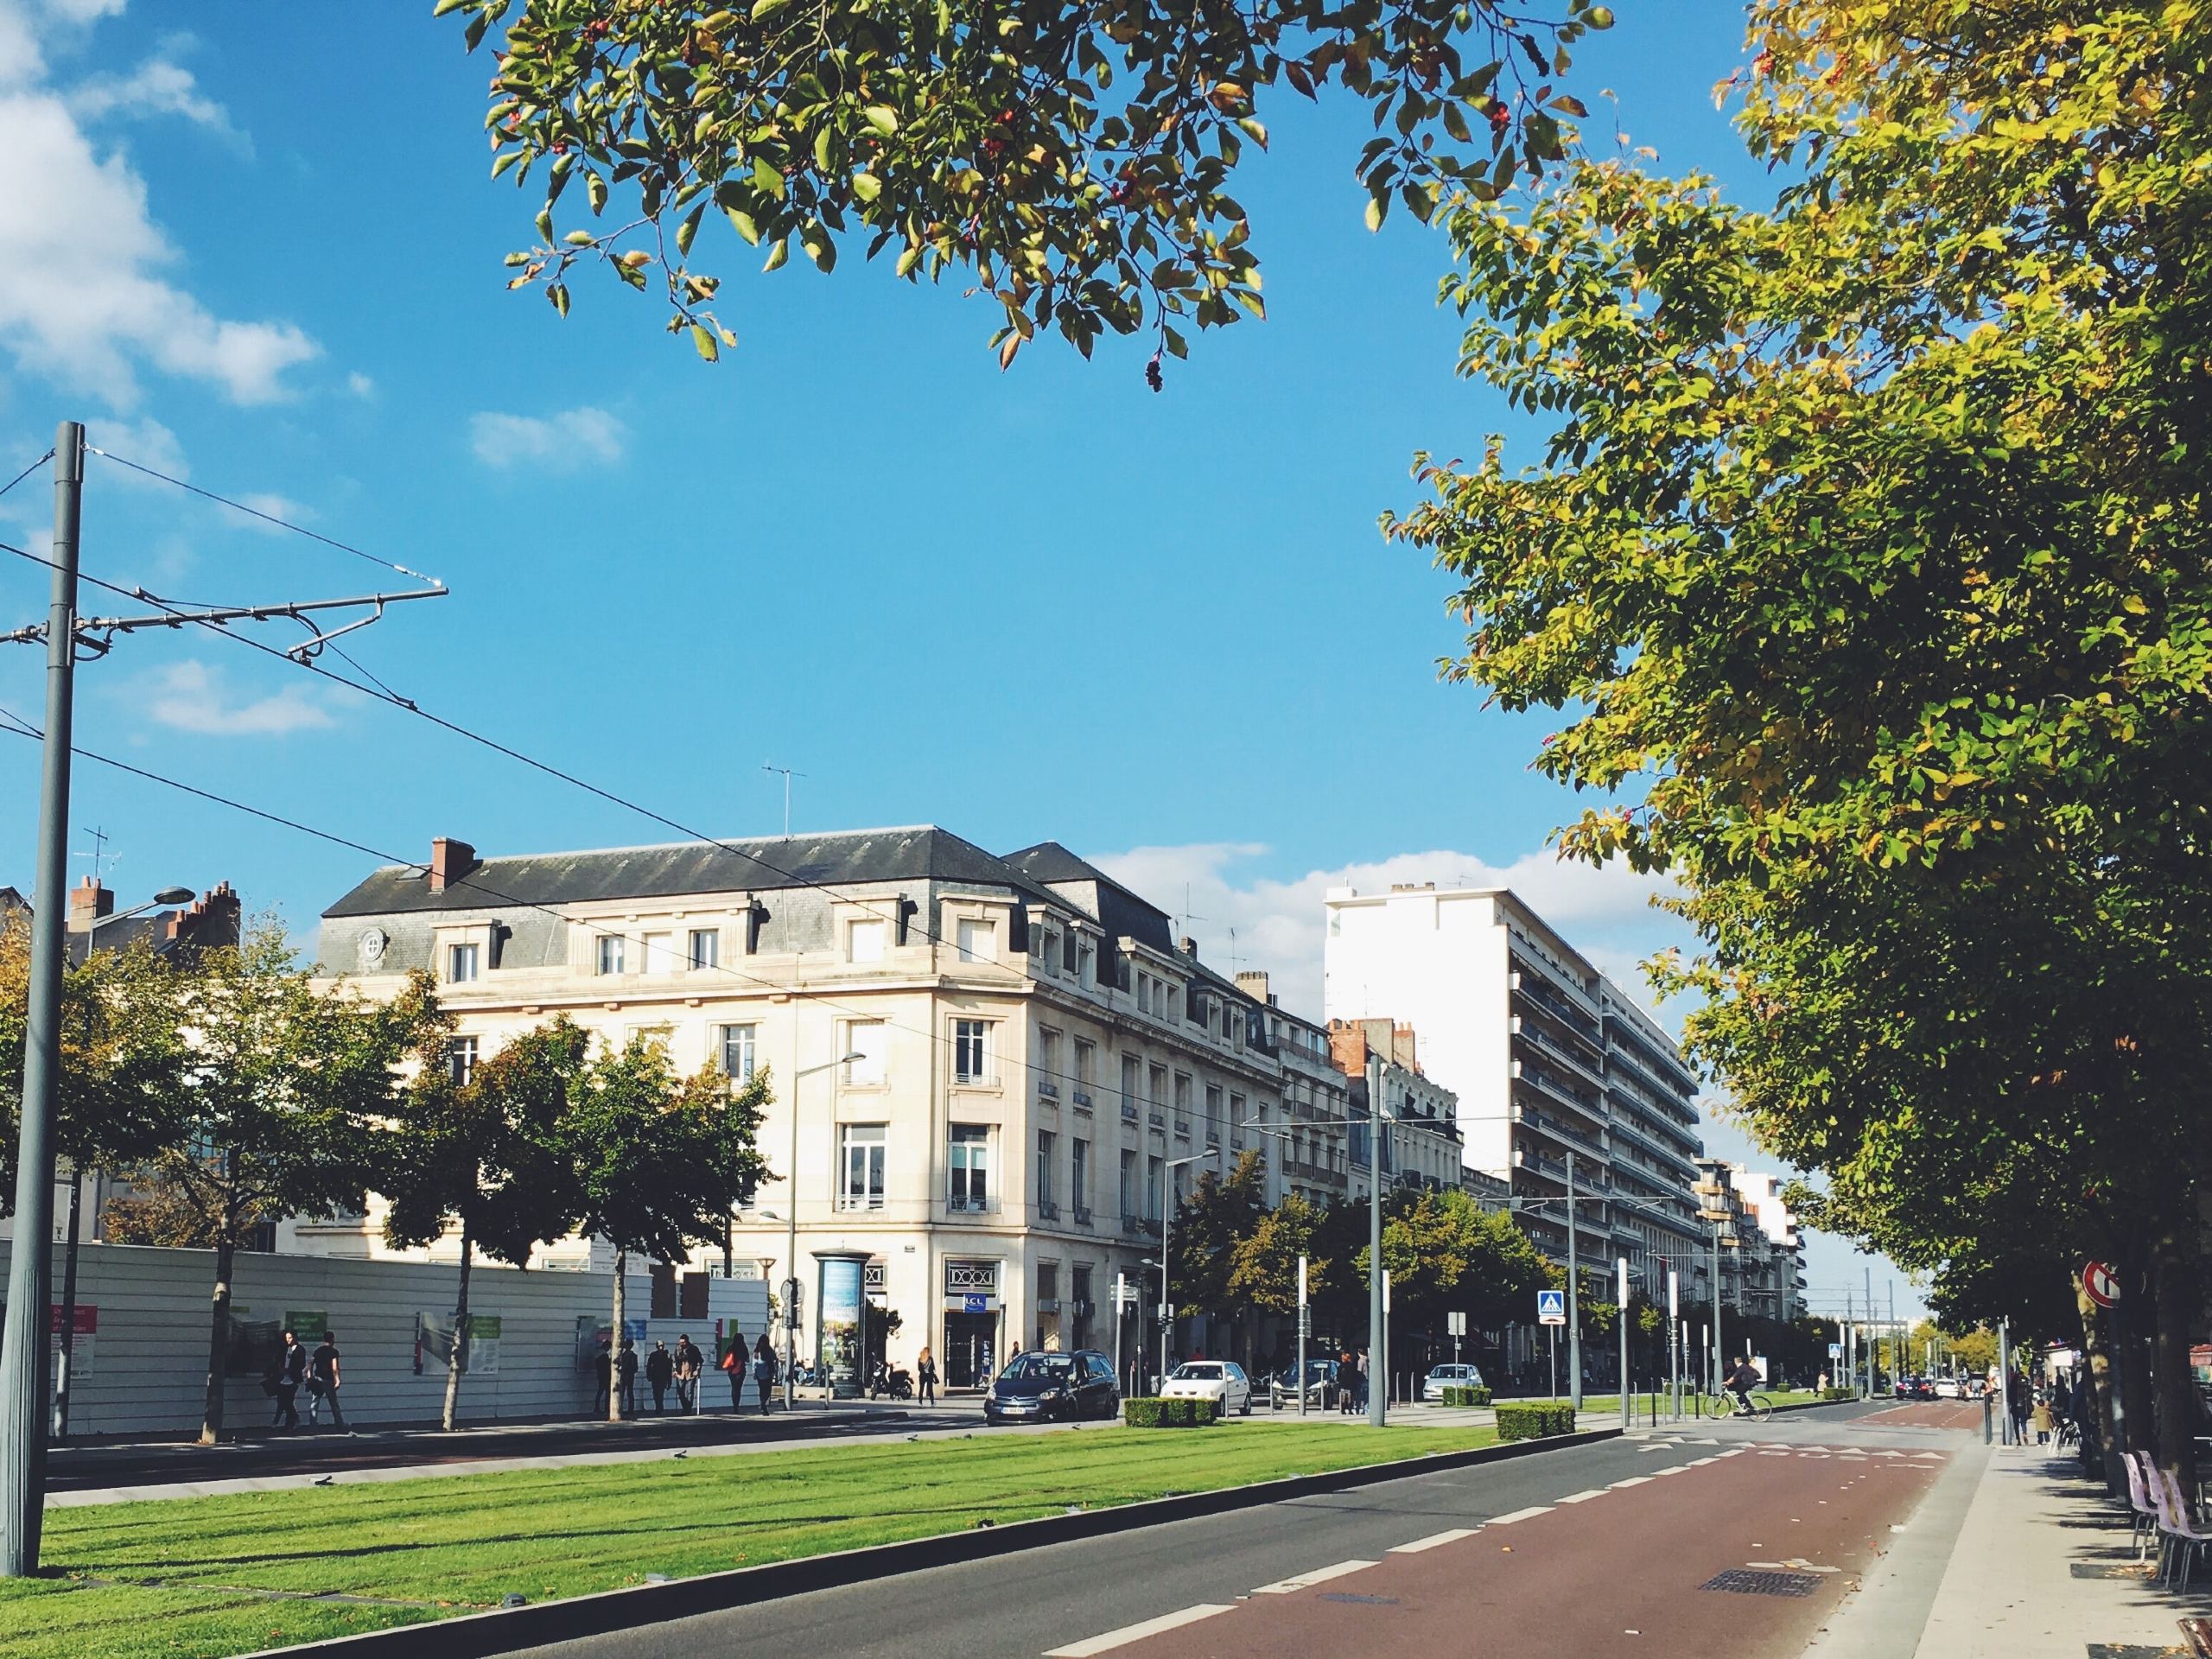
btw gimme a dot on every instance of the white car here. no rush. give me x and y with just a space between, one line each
1441 1377
1221 1380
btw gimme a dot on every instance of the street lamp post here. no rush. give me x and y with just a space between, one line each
166 896
790 1237
1166 1232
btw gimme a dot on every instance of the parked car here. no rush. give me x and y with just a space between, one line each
1041 1387
1210 1379
1320 1386
1441 1377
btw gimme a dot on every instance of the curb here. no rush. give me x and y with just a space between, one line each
477 1635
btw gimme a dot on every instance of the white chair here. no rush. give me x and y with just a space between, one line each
2146 1526
2182 1543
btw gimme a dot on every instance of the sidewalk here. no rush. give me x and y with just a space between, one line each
2043 1568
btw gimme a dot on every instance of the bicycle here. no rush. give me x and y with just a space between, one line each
1723 1404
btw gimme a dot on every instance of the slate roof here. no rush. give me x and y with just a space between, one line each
846 858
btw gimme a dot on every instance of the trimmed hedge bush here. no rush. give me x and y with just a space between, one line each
1524 1421
1170 1414
1460 1394
1839 1393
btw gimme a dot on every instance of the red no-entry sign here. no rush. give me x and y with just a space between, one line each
2101 1283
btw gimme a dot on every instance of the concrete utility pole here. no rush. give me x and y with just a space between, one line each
24 1344
1622 1314
1719 1351
1377 1371
1869 1271
1574 1298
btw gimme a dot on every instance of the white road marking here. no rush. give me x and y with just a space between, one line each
1129 1633
1583 1498
1673 1469
1521 1515
1699 1462
1319 1575
1452 1537
1633 1480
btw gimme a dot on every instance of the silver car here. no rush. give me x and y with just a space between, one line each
1441 1377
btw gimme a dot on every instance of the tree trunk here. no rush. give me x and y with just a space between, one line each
2173 1280
457 1356
219 1340
614 1343
2096 1353
2131 1318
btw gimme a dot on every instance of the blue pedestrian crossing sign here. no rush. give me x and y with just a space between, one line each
1551 1308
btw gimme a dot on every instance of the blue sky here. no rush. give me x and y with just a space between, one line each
1045 603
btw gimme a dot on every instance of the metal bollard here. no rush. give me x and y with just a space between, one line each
1987 1414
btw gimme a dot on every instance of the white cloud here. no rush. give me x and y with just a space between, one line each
277 506
509 440
157 86
83 298
147 442
191 698
1278 925
360 385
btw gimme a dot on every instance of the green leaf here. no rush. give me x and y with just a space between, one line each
882 118
867 186
766 178
907 261
688 228
779 250
703 337
819 247
744 225
1378 208
580 239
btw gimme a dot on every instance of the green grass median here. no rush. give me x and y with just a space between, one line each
217 1576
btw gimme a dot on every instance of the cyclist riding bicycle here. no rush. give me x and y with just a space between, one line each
1740 1381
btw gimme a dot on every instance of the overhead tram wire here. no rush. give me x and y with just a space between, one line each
379 692
26 473
16 726
257 512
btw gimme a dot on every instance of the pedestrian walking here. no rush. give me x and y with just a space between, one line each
925 1374
602 1367
660 1371
2045 1424
688 1364
763 1368
285 1376
1347 1386
324 1380
2019 1402
626 1363
1363 1379
738 1361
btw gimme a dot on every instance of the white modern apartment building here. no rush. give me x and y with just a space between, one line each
1036 1067
1771 1247
1559 1076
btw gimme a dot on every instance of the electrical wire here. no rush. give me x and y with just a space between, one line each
265 517
26 473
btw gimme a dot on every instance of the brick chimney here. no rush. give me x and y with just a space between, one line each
1253 982
1189 947
88 902
450 860
1348 1046
211 921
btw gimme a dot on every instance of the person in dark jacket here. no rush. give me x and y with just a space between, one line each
763 1368
660 1371
290 1371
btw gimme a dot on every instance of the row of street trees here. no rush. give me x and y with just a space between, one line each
232 1090
1869 558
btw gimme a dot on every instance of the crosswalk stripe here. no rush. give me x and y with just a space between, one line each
1306 1580
1521 1515
1452 1535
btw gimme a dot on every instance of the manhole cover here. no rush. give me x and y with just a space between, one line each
1749 1581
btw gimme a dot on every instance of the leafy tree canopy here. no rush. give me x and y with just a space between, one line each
1076 159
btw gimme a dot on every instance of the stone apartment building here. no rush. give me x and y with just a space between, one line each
1002 1070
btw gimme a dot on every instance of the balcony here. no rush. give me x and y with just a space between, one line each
1080 1099
1082 1218
1129 1111
1159 1119
1140 1226
983 1206
1182 1128
1588 1064
1048 1088
1047 1211
1298 1169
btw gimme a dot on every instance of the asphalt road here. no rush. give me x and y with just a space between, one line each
1600 1549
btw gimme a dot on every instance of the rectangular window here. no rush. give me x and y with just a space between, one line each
979 940
1086 1063
461 963
736 1046
610 953
1182 1095
1068 952
1153 1169
1083 965
1079 1176
1048 1059
706 948
866 1041
1159 1088
1046 1142
1048 1281
1128 1191
460 1059
864 942
1048 952
1213 1102
1129 1084
971 1055
970 1165
659 953
860 1166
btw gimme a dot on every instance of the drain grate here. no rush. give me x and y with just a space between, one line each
1749 1581
1364 1601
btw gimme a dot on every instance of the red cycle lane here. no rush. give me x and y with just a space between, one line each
1620 1573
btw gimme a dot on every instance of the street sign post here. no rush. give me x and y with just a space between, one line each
2101 1283
1305 1327
1551 1308
1456 1324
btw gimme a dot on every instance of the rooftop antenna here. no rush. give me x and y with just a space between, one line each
788 775
1182 922
102 859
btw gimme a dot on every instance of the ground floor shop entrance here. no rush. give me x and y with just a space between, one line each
970 1348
